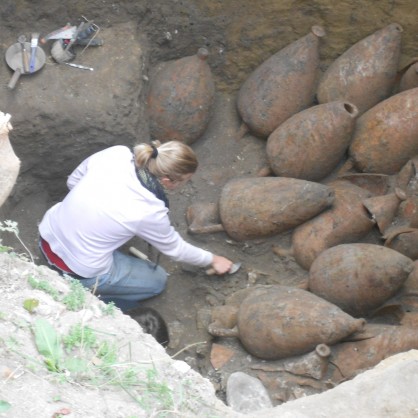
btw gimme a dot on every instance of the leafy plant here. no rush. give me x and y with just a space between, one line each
44 286
4 406
48 344
30 304
76 298
4 248
156 390
11 226
80 336
108 308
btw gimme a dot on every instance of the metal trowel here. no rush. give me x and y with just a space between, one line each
235 267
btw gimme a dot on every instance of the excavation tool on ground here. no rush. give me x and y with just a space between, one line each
67 37
15 61
25 56
33 47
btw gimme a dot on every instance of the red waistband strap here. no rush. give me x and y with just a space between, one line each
53 258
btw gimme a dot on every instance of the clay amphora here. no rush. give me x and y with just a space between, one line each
346 221
351 358
381 184
203 218
180 99
310 144
262 207
280 321
376 184
384 208
403 240
282 86
366 73
409 79
313 364
408 212
386 137
10 164
358 277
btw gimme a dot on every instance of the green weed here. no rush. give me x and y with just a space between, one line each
80 336
11 226
45 286
76 298
108 308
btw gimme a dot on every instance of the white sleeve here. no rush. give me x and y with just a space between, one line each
161 234
77 174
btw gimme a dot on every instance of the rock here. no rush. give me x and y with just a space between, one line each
10 164
387 390
246 394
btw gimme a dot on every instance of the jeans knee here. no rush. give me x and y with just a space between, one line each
160 279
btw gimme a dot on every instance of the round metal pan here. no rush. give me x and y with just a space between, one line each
14 59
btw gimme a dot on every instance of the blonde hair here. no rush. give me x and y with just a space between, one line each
173 159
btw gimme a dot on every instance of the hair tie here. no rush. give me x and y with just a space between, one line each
154 151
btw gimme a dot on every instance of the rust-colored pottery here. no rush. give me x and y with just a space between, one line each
313 364
347 220
405 175
203 218
386 136
366 73
281 86
404 240
408 212
278 321
265 206
384 208
351 358
377 184
310 144
409 79
358 277
181 98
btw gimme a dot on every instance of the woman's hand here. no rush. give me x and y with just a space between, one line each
221 265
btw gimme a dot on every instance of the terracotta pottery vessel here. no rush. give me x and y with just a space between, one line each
366 73
386 137
282 86
376 184
346 221
409 79
313 364
408 212
381 184
276 322
262 207
310 144
351 358
358 277
403 240
384 208
181 98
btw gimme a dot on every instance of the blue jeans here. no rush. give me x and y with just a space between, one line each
130 279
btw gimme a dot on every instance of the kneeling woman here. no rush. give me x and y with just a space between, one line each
115 195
